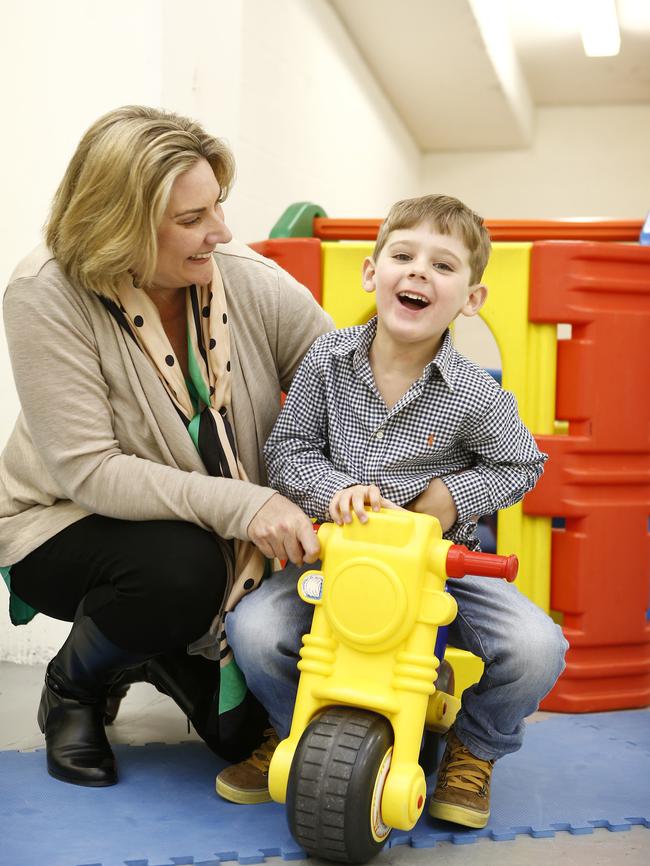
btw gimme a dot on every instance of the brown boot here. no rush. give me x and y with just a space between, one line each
462 792
248 781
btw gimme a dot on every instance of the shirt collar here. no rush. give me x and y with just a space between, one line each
359 340
444 361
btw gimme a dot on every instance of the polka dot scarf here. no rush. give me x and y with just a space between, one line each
203 403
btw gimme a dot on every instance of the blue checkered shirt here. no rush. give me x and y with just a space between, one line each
455 423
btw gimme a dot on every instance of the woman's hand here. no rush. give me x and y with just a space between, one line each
437 501
281 529
355 499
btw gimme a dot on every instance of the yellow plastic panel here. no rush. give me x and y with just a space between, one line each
468 668
343 296
528 359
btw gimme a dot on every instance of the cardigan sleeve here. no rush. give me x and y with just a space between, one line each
65 400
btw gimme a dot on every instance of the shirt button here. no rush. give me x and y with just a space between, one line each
379 434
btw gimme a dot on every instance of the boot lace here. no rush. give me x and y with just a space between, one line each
261 756
465 771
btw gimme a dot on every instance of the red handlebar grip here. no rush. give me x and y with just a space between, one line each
461 561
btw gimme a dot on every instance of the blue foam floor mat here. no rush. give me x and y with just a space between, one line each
574 773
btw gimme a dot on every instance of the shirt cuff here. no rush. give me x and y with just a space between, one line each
468 492
327 487
465 534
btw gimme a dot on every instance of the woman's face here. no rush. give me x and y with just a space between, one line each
191 227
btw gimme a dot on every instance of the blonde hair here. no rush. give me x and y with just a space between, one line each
107 209
447 215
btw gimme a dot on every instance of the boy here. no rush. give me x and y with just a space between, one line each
391 414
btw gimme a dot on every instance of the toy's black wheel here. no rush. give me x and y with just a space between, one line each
432 741
336 782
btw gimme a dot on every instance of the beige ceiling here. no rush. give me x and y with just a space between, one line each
465 74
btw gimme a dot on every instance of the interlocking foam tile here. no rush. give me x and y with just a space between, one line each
574 773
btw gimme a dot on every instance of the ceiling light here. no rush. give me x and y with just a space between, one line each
599 27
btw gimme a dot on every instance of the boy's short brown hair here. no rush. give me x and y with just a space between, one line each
447 215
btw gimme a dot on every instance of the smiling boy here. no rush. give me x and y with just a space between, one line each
390 413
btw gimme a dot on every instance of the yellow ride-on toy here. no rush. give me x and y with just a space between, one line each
349 769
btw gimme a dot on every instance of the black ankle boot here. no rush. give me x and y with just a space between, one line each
77 748
114 698
71 712
192 682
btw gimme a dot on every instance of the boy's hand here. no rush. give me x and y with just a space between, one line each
355 499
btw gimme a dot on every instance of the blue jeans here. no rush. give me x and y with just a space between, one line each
523 650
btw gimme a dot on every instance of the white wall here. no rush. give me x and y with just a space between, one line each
62 65
314 124
584 161
281 81
290 93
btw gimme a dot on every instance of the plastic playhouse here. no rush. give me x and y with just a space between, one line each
582 536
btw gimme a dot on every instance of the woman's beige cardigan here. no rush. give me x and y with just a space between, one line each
98 434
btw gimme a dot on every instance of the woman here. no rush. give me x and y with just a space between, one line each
149 365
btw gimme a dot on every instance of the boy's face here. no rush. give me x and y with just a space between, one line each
422 282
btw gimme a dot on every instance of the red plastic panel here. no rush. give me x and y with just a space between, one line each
500 230
300 256
598 477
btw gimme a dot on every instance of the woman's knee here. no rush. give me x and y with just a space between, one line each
170 585
185 565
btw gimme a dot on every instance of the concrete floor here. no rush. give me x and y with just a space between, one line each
147 716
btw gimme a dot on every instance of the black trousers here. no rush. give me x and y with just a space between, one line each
150 586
